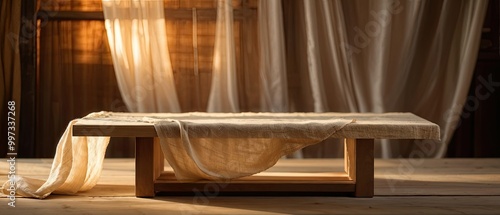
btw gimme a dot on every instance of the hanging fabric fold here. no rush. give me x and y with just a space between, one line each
272 66
138 43
76 167
224 90
465 46
390 56
227 146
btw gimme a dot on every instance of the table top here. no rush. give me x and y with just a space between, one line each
362 125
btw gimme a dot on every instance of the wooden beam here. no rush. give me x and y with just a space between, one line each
27 50
170 14
350 157
245 187
364 170
146 170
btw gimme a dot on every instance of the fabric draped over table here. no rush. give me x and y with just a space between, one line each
248 144
196 149
76 167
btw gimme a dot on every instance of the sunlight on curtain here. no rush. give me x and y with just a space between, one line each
350 56
224 90
327 57
388 56
421 61
272 66
138 42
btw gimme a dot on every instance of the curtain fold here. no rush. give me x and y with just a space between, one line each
328 62
465 48
224 89
138 42
314 57
272 67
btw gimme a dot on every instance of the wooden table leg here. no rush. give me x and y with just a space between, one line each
148 165
359 165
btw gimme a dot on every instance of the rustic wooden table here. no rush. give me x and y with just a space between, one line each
355 179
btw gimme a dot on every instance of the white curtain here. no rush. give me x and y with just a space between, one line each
138 42
224 89
350 56
383 56
272 67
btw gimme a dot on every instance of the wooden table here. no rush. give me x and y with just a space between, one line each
402 186
357 177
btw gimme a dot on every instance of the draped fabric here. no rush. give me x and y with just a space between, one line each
224 90
347 56
383 56
10 66
272 67
327 62
138 42
76 167
228 146
193 155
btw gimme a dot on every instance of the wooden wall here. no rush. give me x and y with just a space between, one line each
478 134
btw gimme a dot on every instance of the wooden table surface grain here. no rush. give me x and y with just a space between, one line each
402 186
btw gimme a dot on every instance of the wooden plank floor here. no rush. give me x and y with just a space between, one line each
420 186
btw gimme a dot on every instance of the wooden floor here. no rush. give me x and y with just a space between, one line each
446 186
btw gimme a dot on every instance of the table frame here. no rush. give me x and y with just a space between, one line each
357 180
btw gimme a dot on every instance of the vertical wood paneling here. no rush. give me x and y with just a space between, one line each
27 51
76 77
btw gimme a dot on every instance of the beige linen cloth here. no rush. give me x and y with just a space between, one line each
76 167
212 146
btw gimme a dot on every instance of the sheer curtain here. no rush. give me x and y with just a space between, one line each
224 90
138 42
272 67
383 56
341 56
